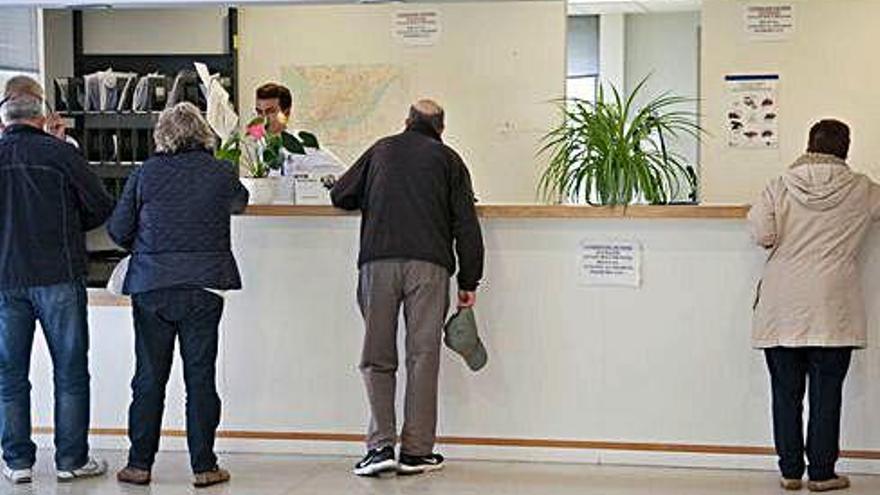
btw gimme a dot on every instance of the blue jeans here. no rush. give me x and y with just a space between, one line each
790 369
61 311
161 317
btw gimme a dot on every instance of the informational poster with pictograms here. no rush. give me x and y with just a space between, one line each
752 114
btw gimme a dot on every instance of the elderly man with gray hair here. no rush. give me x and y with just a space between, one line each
48 200
25 86
419 215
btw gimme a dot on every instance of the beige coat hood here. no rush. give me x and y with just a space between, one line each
819 182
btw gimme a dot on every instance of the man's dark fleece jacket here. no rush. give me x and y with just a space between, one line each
417 202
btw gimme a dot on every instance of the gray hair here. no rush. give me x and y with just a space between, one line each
427 112
19 108
180 127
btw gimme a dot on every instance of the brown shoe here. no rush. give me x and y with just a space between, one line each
210 478
791 484
133 476
836 483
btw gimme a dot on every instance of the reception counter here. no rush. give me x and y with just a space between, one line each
663 373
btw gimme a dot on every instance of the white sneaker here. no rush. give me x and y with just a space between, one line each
93 467
18 476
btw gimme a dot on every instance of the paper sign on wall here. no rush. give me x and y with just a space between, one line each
752 111
416 27
769 21
617 263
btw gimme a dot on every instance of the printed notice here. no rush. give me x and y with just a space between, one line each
769 22
752 111
314 174
610 263
416 27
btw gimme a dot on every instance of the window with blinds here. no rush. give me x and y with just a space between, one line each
18 40
583 57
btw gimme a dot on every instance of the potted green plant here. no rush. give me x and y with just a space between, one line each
259 151
613 151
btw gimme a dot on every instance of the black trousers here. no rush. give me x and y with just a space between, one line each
161 317
826 369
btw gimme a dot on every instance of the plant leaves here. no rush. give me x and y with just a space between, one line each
309 140
613 151
292 144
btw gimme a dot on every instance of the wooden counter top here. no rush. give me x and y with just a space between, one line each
729 212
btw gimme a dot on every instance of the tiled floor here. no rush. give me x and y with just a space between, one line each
278 475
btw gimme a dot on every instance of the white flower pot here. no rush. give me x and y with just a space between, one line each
284 193
262 190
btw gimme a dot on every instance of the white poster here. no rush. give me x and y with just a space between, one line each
310 189
313 175
416 27
769 21
752 111
615 263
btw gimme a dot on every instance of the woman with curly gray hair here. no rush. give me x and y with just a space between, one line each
174 217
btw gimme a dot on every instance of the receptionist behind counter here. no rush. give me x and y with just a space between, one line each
304 156
274 103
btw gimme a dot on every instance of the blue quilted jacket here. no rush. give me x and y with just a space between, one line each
174 217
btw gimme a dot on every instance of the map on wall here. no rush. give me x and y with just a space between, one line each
347 106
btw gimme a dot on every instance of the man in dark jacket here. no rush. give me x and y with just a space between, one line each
48 200
418 210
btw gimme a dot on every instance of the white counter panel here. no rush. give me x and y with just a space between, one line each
669 363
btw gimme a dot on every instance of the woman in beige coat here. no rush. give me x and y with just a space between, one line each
809 309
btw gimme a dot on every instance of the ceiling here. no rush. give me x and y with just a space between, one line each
576 6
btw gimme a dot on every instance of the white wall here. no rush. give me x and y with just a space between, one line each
612 49
496 68
827 70
665 46
57 48
138 31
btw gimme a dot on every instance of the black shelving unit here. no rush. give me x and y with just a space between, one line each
115 142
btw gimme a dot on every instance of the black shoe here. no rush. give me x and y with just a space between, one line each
415 464
376 462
